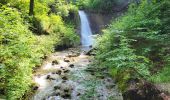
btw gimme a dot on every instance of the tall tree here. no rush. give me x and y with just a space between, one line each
31 10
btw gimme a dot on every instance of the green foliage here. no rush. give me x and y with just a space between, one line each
163 75
21 50
137 43
16 53
99 5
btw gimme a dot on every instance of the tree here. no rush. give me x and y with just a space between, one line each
31 10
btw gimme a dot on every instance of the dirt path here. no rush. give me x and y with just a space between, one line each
64 76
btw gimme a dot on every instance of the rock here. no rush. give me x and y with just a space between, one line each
57 94
66 60
56 87
64 81
90 52
59 72
73 55
48 77
66 90
71 65
66 71
35 88
92 73
55 62
78 94
144 91
66 96
90 46
64 78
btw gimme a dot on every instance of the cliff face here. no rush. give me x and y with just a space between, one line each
98 21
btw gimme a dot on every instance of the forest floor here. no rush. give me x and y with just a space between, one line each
66 75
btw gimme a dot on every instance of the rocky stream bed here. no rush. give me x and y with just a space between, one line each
66 75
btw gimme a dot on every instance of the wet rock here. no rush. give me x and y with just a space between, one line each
71 65
90 46
73 55
90 52
66 60
66 90
35 88
55 62
64 78
64 81
66 71
48 77
92 73
57 87
66 96
57 94
59 72
63 69
78 94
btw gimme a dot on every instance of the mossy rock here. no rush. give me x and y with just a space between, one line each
123 77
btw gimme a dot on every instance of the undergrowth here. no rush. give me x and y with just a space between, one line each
25 41
136 45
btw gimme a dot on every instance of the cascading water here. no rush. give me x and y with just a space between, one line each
86 33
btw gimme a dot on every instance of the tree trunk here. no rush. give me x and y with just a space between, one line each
31 10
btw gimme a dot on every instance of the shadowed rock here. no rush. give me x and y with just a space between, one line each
66 71
55 62
66 96
35 88
56 87
59 72
49 77
71 65
64 78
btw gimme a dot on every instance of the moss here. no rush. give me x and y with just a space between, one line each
122 79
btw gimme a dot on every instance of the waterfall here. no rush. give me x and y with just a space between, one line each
86 33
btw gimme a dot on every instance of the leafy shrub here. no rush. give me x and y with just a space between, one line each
135 43
104 6
16 53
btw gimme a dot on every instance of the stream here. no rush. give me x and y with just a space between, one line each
64 75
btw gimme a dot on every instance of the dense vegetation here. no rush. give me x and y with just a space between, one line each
25 40
137 44
102 6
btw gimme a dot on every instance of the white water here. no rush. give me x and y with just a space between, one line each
86 33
